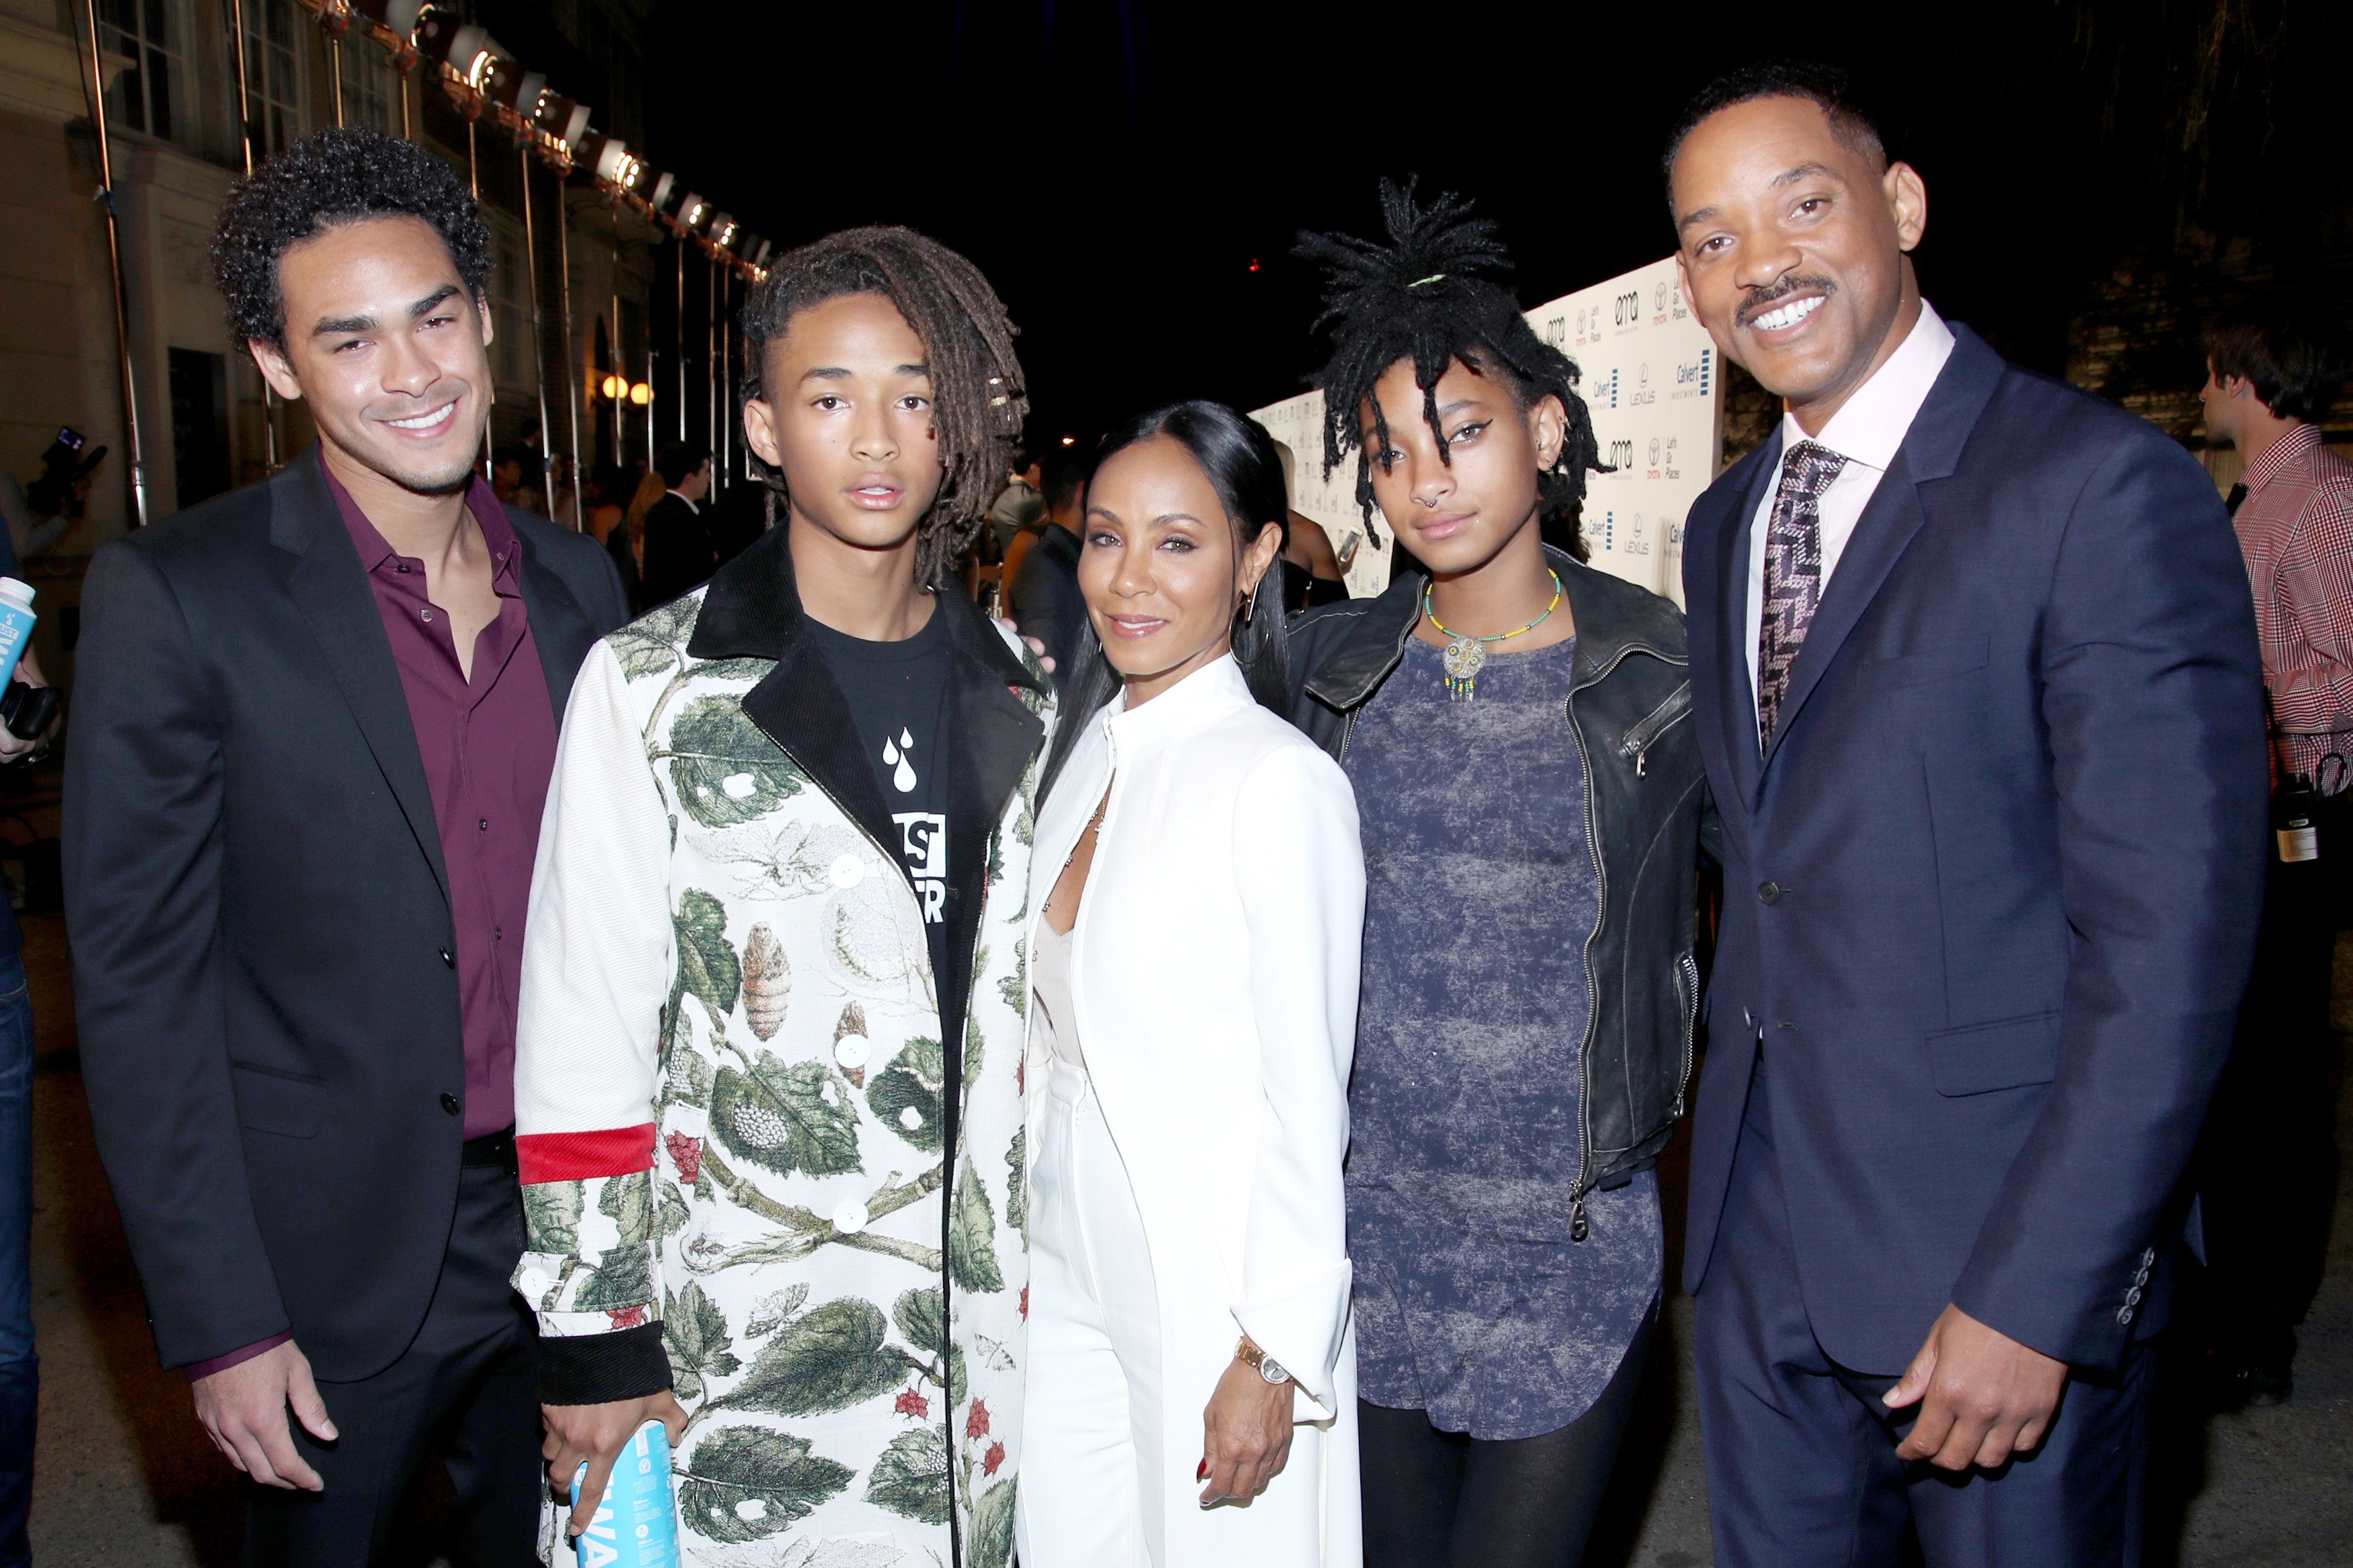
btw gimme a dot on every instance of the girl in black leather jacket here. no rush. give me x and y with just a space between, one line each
1515 726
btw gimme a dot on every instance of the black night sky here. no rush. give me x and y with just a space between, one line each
1116 167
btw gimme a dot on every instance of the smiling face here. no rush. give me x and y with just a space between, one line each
1791 243
388 350
847 419
1456 515
1162 565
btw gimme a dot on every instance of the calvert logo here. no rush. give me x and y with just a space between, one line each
1694 378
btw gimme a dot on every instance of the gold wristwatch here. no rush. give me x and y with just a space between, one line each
1258 1361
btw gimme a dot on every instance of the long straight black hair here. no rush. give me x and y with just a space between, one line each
1245 468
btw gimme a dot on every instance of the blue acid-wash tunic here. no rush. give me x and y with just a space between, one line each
1472 1303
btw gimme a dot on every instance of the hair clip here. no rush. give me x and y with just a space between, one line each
1433 278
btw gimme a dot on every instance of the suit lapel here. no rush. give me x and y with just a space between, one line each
1931 449
559 627
329 588
1731 624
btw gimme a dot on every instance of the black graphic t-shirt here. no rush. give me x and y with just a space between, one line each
898 695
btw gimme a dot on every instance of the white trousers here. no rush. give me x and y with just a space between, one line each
1091 1487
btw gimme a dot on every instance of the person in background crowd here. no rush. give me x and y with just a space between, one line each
1018 506
608 491
508 466
1976 683
1516 729
1312 572
19 1365
2268 1166
314 724
773 998
1042 590
38 514
1198 892
679 554
628 544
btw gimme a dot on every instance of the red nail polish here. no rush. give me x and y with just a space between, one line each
1203 1473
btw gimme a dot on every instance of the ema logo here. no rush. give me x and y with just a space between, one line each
1555 330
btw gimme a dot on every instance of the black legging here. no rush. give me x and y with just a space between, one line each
1446 1499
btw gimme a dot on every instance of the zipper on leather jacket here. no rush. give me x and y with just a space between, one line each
1639 740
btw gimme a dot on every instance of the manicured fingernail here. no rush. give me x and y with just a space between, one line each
1203 1473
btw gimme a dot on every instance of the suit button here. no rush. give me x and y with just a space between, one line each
1770 892
449 1103
2123 1317
448 959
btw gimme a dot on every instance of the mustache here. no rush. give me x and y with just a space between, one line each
1762 300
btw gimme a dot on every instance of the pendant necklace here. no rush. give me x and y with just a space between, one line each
1467 655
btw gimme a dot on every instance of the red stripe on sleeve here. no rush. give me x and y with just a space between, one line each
581 1156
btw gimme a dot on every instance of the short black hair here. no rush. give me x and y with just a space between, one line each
1422 298
1020 460
978 400
1825 87
677 459
338 176
1066 478
2289 346
513 452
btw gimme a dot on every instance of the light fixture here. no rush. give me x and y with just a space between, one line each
446 39
641 394
397 16
505 82
760 256
723 230
565 118
607 157
613 387
665 186
693 212
1069 440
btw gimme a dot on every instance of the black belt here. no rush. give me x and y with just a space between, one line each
492 1150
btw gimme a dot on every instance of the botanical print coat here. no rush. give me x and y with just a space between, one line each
729 1087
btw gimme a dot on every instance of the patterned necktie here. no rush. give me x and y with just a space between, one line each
1793 574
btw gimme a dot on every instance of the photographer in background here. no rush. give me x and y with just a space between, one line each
2274 364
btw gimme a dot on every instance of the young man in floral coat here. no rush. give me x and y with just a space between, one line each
768 1085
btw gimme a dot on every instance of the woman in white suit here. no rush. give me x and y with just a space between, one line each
1199 905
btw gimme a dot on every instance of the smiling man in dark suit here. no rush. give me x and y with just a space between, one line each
1976 683
314 728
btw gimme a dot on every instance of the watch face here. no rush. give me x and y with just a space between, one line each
1271 1370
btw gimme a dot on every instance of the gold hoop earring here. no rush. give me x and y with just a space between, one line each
1250 606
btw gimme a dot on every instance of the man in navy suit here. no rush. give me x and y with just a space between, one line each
1975 680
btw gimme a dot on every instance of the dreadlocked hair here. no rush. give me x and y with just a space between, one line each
1429 296
978 397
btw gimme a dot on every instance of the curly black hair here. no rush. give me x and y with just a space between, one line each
1422 297
334 177
977 387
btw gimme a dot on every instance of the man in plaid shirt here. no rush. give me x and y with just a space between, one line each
2274 366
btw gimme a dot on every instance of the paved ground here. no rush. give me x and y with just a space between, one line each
126 1480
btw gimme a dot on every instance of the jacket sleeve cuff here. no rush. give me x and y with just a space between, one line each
1302 1327
237 1358
598 1369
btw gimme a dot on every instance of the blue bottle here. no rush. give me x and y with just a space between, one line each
636 1525
17 620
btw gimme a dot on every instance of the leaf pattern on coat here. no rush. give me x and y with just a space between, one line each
905 1095
656 642
694 1331
1016 1183
551 1214
723 768
972 1235
786 1117
743 1483
992 1527
911 1476
1015 987
830 1358
707 970
768 982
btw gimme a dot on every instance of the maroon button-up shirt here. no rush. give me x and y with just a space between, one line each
489 749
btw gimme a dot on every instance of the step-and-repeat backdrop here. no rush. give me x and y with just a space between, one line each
1652 376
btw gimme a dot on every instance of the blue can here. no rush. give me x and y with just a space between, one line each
17 618
636 1525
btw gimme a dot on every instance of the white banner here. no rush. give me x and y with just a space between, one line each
1651 378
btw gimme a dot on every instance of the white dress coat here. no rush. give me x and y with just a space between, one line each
1213 976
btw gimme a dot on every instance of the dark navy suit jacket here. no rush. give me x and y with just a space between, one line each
1991 898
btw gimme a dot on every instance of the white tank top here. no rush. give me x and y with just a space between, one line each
1050 977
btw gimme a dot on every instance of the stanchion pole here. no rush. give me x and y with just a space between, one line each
244 139
572 398
335 70
679 244
710 356
538 339
95 87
